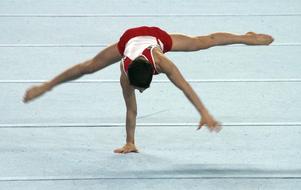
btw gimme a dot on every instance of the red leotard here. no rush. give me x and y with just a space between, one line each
140 41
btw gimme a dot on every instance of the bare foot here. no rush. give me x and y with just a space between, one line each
129 147
258 39
34 92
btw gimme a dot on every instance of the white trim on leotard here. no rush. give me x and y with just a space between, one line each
135 46
154 63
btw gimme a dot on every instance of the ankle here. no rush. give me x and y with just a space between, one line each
246 39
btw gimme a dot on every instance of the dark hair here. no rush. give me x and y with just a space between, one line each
140 73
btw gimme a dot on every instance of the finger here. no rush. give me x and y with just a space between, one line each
213 127
24 99
25 94
201 125
28 96
125 151
116 151
209 128
218 127
119 150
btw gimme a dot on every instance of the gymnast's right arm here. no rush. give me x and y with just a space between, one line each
103 59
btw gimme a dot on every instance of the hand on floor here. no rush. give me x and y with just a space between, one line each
210 122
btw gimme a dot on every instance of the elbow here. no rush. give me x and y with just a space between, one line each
87 67
132 112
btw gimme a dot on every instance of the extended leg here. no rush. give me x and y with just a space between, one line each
106 57
188 43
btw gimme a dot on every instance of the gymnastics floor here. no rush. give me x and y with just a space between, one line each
65 139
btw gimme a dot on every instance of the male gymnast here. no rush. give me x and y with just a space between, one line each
141 51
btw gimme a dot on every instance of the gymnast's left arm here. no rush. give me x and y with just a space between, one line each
166 66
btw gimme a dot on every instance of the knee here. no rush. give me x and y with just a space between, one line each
205 42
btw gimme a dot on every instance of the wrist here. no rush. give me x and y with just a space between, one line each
130 141
203 111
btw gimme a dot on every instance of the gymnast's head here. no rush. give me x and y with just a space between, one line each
140 74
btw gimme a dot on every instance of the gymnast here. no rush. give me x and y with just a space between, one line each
141 51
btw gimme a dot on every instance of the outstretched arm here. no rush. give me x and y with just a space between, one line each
131 114
106 57
166 66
